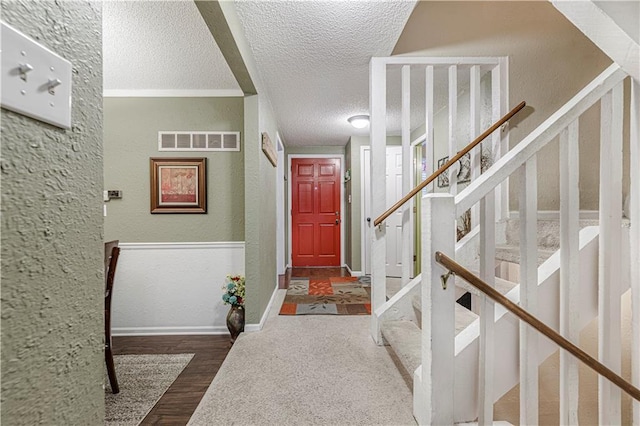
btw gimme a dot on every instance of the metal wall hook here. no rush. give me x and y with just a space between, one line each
444 278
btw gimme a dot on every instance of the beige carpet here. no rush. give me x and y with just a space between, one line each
304 370
143 379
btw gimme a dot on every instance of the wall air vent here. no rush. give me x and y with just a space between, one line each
198 141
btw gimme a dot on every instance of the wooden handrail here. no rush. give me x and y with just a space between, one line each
534 322
448 164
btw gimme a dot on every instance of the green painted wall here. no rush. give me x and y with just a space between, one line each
260 215
310 150
131 128
259 173
52 251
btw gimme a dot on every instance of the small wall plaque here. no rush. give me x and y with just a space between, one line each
269 150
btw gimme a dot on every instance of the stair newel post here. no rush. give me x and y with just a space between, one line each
610 252
433 383
378 139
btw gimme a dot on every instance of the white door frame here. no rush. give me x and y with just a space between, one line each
342 206
364 230
280 225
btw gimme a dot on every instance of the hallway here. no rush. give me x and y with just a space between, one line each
322 369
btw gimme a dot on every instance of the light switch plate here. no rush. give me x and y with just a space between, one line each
31 93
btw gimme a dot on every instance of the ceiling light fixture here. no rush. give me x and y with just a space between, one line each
359 121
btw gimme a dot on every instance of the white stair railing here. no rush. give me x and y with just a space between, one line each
440 212
384 73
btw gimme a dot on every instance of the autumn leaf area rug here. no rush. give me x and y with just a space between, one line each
327 296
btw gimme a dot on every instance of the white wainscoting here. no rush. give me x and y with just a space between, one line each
173 288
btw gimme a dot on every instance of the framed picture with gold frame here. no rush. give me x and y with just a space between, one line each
178 185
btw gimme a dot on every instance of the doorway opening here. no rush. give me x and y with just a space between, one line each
316 231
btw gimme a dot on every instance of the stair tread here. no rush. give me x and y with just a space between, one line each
405 338
503 286
511 254
463 316
548 232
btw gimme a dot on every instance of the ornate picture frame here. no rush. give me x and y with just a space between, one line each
178 185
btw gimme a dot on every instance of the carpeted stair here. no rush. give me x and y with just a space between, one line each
404 337
548 239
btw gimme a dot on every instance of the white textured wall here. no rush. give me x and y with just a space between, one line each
52 252
173 288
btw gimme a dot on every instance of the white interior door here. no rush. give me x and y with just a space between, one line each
393 222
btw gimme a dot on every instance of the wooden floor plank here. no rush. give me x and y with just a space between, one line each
181 399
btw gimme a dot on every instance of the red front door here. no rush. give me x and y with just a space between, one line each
315 211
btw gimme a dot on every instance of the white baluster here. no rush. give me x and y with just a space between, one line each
634 210
378 135
433 382
609 275
474 131
407 230
500 139
487 309
529 291
569 270
428 109
453 119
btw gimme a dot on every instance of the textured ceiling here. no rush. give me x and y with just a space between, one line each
314 56
161 45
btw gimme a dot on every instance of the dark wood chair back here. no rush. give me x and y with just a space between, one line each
111 255
108 252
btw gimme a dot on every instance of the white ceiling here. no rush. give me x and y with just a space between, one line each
313 56
161 47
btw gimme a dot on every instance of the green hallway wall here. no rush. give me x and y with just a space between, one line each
260 214
131 127
52 251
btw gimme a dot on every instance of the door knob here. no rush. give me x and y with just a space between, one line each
337 221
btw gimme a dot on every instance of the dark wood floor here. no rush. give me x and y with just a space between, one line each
181 399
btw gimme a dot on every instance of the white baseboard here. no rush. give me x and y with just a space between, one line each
157 331
181 246
353 273
555 214
265 315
